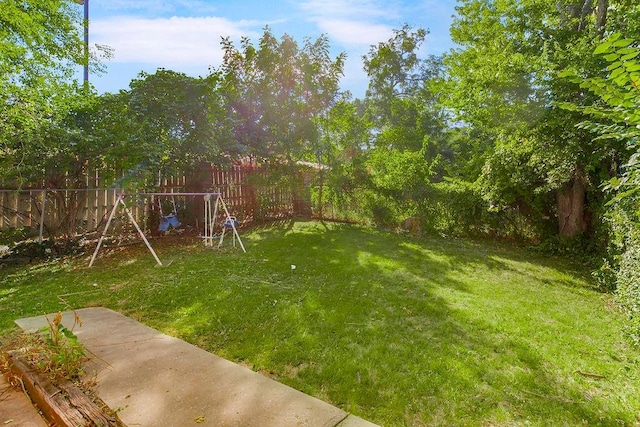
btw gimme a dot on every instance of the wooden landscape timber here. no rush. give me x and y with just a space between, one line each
63 405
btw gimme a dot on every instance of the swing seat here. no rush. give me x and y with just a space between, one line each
231 223
168 221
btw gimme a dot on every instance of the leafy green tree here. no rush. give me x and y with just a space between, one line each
46 117
345 135
614 115
407 125
39 46
178 122
60 149
614 112
278 93
401 106
39 42
503 83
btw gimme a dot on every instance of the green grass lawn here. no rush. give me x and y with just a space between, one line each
397 330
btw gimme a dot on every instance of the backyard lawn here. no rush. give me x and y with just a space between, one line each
395 329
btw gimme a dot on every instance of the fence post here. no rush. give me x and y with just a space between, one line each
43 209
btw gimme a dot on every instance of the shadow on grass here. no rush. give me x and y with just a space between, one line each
365 321
400 331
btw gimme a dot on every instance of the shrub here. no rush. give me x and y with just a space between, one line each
628 289
64 353
453 207
624 258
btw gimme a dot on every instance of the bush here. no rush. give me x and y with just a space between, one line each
628 289
453 207
624 258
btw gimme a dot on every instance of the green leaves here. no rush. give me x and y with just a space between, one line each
40 46
618 93
602 48
278 92
64 354
623 65
178 121
517 62
399 172
400 101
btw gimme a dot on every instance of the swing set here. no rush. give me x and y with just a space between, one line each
213 203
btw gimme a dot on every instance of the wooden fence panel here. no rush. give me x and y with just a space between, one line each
246 200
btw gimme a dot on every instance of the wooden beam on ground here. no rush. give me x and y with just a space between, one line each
64 406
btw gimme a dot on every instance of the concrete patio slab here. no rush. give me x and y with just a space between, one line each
153 379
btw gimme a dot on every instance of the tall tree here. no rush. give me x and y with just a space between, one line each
278 92
39 45
503 82
178 121
400 103
614 115
407 124
346 133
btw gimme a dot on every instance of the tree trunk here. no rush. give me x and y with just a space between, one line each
601 16
573 217
580 10
571 206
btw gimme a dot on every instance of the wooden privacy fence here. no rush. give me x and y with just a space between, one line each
62 211
41 208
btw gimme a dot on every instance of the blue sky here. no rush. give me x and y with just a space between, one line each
184 35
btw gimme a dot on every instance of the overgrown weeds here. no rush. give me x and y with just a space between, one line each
54 350
63 353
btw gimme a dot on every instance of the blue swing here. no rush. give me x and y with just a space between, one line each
170 220
231 222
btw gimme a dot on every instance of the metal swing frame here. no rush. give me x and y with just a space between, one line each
210 215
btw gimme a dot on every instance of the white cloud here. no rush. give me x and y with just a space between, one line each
184 35
360 9
355 23
355 33
168 42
